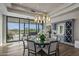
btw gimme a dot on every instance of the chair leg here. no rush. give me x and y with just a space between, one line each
28 53
35 54
55 54
23 52
58 54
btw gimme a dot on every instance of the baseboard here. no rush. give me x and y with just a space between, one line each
71 44
0 44
76 44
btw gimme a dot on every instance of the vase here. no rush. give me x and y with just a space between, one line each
42 42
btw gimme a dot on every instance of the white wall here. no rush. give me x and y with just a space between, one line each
70 15
1 30
4 30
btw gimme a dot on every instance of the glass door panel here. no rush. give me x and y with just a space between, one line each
40 27
21 28
33 30
27 27
13 31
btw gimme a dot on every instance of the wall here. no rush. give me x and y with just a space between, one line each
4 30
1 29
70 15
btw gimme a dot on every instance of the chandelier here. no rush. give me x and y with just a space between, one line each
42 18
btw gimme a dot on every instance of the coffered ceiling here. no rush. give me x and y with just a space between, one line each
43 7
33 8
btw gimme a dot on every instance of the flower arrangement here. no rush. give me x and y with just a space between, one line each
42 36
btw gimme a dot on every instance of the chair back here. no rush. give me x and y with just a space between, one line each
31 45
53 46
54 37
24 39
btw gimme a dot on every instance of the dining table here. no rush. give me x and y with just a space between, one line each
37 41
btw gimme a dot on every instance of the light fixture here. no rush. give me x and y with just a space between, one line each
42 18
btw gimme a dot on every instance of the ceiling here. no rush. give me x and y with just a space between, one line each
43 7
32 8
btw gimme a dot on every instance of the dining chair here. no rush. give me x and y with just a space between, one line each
54 37
52 48
32 47
24 40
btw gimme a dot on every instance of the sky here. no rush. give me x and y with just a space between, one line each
16 26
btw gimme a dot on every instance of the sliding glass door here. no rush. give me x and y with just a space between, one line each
40 27
13 29
22 32
26 27
18 27
33 30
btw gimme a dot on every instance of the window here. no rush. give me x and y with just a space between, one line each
22 32
13 29
33 30
17 27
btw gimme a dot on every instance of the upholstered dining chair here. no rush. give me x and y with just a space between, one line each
32 48
52 48
24 40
